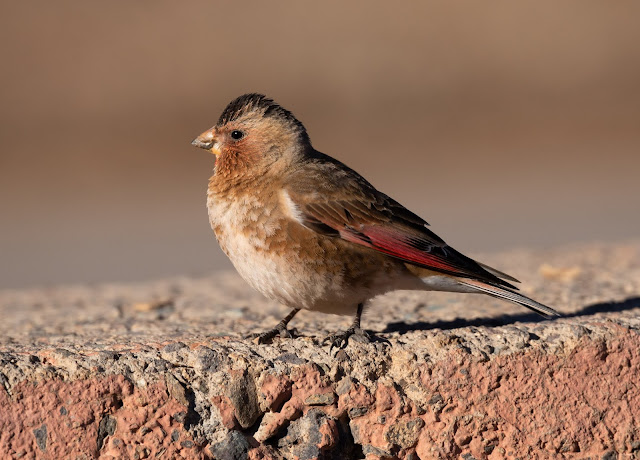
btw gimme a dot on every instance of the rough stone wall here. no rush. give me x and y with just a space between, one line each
161 370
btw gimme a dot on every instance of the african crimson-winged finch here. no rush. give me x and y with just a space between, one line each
307 231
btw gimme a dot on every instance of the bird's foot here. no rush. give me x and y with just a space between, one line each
341 339
268 336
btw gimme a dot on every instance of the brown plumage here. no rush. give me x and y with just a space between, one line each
309 232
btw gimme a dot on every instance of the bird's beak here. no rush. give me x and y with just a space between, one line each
208 142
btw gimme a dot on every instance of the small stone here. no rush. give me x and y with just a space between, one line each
305 430
368 449
179 417
234 447
323 399
437 402
311 435
41 437
208 360
610 455
243 397
344 386
176 390
290 358
489 448
174 347
269 425
175 435
187 444
355 412
106 428
404 433
153 305
141 452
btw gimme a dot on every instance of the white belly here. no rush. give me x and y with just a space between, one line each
252 239
283 277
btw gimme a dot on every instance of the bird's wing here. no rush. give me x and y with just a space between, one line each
344 205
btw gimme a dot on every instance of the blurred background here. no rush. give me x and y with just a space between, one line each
505 125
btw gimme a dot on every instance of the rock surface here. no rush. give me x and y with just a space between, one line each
161 370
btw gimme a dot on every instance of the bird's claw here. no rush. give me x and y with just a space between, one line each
341 340
268 336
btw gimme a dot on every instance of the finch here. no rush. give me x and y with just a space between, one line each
309 232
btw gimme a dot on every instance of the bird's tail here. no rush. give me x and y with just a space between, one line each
508 294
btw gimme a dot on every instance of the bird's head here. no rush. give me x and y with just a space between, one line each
252 134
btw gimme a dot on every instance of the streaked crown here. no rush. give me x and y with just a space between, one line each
261 105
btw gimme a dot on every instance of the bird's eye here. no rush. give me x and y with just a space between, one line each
237 135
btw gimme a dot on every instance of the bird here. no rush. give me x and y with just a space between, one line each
307 231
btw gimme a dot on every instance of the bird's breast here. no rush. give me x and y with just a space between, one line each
291 264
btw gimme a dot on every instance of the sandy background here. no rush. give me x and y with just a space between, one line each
504 125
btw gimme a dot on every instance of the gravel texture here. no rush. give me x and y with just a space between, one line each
162 370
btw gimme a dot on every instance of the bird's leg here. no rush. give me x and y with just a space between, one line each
340 340
280 329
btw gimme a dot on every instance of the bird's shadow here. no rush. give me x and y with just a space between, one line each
602 307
